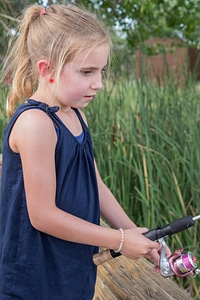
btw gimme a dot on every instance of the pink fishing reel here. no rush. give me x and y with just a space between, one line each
178 264
183 265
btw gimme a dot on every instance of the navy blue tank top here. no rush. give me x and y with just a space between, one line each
34 265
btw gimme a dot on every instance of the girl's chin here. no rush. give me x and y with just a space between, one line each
87 101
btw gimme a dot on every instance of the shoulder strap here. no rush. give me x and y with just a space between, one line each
33 104
79 116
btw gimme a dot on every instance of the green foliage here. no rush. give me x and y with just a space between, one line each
146 143
4 26
142 20
137 21
3 117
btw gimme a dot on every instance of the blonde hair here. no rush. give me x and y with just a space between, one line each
57 34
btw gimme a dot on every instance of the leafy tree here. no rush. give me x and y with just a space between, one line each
5 10
8 13
137 20
141 20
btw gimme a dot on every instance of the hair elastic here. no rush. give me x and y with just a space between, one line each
43 12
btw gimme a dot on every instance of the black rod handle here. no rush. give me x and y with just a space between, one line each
153 234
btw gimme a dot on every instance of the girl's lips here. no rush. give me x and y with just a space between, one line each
90 97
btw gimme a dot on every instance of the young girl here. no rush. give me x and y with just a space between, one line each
52 194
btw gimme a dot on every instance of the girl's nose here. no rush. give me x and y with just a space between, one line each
97 83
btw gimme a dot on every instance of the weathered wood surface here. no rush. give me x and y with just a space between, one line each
121 279
125 279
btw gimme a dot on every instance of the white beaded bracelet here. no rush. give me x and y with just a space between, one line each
122 241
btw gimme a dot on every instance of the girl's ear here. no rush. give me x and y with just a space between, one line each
44 68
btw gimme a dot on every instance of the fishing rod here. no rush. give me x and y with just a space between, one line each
177 263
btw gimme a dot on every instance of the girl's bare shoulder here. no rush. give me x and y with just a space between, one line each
32 127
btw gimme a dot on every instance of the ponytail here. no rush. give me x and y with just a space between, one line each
18 63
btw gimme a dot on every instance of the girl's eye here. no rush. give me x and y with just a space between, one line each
86 72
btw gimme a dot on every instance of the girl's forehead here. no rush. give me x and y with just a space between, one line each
97 54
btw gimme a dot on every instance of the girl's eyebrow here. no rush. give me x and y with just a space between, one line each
92 68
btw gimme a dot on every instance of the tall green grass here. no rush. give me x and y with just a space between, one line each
147 142
3 117
147 146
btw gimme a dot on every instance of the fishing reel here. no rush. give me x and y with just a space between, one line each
178 264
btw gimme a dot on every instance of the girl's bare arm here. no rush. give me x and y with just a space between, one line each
37 151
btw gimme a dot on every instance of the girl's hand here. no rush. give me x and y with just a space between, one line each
154 256
136 245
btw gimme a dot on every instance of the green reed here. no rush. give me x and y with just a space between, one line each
3 118
146 143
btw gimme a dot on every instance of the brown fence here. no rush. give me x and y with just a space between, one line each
175 61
